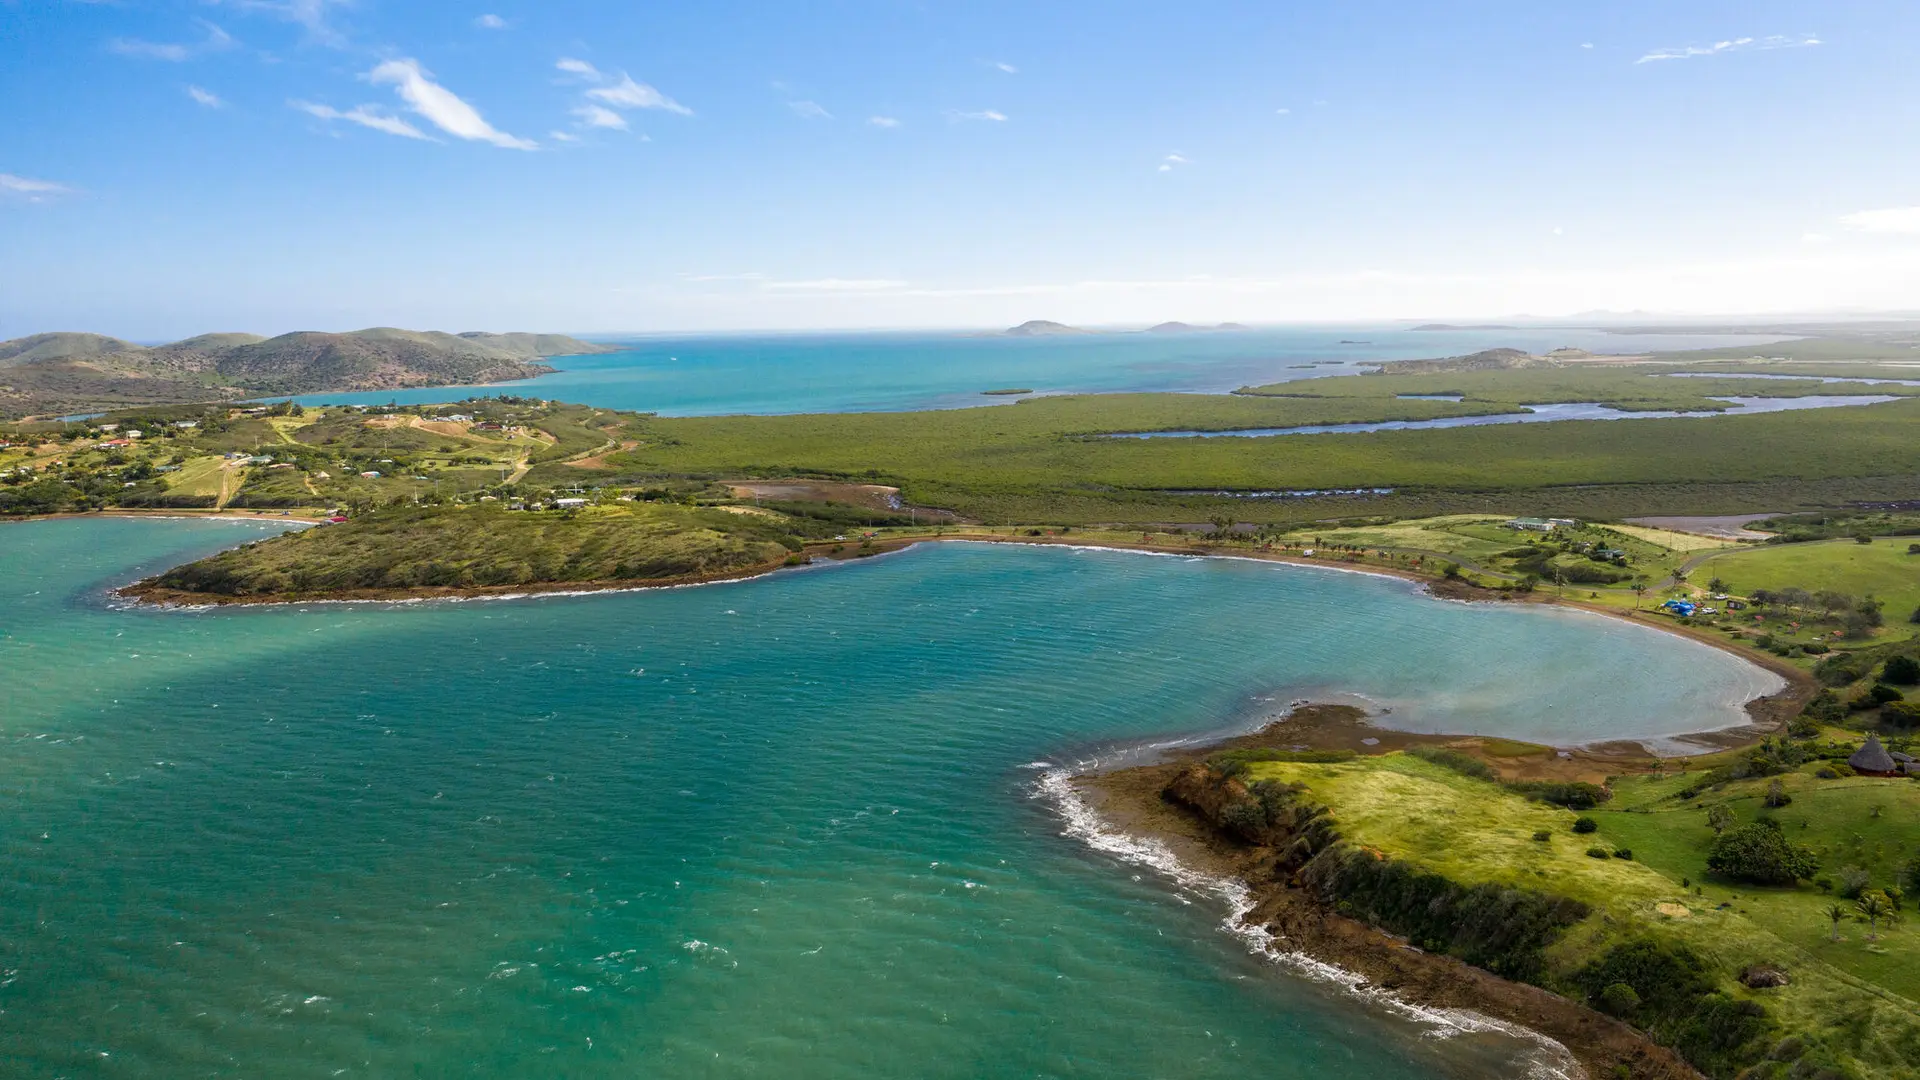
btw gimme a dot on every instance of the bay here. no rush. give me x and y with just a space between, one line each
785 827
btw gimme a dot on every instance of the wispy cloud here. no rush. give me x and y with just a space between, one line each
1896 220
809 110
364 115
174 52
1283 112
599 116
627 94
1586 44
30 190
985 114
1744 44
490 22
1006 67
206 97
883 121
1168 163
309 14
440 106
839 285
751 275
578 67
563 136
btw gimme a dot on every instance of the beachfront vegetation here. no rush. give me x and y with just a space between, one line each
1677 939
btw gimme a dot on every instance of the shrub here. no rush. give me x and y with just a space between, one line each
1902 671
1542 835
1853 880
1573 795
1464 764
1623 853
1776 796
1585 824
1598 852
1760 853
1618 999
1881 693
1901 713
1826 772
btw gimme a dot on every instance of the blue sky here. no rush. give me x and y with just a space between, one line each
176 166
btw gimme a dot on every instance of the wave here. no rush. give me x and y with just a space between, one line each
1544 1058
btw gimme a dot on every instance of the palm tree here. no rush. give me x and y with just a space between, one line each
1836 915
1639 590
1875 908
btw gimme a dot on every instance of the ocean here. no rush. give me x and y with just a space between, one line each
869 372
808 825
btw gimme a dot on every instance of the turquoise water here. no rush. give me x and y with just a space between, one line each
797 373
779 828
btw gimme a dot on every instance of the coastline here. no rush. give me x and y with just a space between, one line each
1121 811
1767 713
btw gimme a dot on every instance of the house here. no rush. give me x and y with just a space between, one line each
1531 524
1872 759
323 475
568 504
1610 554
1563 523
109 427
281 465
117 443
186 425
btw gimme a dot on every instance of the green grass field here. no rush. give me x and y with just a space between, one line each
197 476
1473 831
1882 569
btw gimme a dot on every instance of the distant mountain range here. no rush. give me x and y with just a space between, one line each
74 372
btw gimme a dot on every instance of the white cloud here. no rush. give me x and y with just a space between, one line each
490 22
29 189
563 136
1897 220
1743 44
1586 44
1006 67
809 110
578 67
1167 163
365 116
599 116
984 114
173 52
627 94
311 14
1283 112
442 107
206 97
883 121
751 275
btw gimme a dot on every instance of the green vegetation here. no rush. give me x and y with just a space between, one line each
468 547
1643 929
1840 568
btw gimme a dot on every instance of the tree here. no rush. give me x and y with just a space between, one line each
1901 671
1875 908
1719 818
1777 796
1836 915
1717 585
1863 538
1760 853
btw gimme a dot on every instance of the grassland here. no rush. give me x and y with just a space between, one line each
1881 569
1848 999
426 548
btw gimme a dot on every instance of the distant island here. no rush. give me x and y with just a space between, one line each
76 372
1008 392
1453 326
1042 328
1189 328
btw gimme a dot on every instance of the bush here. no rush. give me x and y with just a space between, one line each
1618 999
1598 852
1678 1003
1904 714
1760 853
1776 796
1464 764
1623 853
1902 671
1881 693
1573 795
1585 824
1853 880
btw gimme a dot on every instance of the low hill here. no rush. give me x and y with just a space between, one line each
1189 328
76 372
1043 328
1484 360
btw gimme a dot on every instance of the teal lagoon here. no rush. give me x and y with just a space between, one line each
808 825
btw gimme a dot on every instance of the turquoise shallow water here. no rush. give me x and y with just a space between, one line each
780 828
793 373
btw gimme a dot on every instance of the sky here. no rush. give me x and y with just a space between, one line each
172 167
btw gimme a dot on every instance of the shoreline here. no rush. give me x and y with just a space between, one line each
1767 713
1132 820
